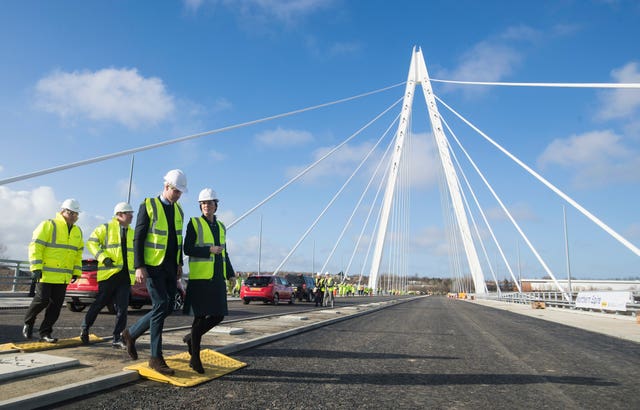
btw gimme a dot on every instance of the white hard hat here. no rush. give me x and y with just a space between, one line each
207 194
71 204
122 207
326 274
178 179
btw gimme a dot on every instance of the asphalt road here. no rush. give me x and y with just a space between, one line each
68 324
433 353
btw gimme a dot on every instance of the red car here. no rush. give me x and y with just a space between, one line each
267 288
83 292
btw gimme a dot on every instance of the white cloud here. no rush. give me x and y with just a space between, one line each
486 61
421 156
27 209
287 11
193 5
257 14
495 58
621 103
282 137
596 158
341 163
222 104
216 155
120 95
1 168
519 211
424 161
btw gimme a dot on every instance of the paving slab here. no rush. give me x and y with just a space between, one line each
16 365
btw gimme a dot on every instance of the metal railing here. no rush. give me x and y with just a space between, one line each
556 299
14 275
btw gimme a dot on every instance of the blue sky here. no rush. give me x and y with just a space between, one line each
81 79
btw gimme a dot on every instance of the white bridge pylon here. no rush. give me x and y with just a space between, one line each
418 74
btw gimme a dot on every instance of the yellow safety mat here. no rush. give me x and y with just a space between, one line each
215 365
36 346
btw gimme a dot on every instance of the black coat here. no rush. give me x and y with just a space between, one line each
207 296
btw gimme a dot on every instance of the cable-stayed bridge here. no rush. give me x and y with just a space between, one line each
378 225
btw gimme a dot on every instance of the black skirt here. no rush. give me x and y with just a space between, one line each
206 297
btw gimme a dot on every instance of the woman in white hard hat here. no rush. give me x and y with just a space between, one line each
209 269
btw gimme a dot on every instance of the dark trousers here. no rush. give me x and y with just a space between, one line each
319 297
162 289
51 297
113 291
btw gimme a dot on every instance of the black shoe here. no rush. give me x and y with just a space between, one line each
187 340
48 339
119 344
84 336
196 364
130 342
27 331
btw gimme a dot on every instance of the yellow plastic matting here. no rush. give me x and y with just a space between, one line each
36 346
215 365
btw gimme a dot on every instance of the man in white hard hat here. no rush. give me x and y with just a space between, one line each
55 258
157 245
209 270
111 244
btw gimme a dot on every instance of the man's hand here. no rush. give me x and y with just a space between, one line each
179 272
108 262
141 275
37 274
74 279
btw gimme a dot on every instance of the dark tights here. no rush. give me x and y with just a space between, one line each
200 326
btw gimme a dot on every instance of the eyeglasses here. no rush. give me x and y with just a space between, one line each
211 202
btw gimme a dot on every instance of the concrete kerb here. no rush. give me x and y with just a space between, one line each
91 386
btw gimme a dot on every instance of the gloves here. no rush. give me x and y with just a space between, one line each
108 262
37 275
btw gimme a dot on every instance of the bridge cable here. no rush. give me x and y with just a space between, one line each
513 221
356 207
187 137
304 171
326 208
475 225
387 155
555 85
540 178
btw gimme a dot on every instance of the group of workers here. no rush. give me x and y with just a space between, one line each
151 253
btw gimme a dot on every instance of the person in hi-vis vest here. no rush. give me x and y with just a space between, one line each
209 270
55 258
111 244
157 253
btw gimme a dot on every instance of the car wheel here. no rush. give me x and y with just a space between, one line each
178 303
75 306
276 299
245 301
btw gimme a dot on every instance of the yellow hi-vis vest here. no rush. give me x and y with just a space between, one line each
56 250
104 242
155 244
202 268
